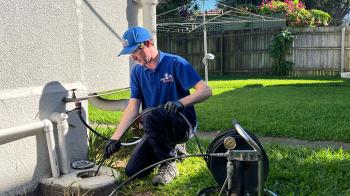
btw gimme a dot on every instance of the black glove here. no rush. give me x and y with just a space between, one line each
173 107
111 147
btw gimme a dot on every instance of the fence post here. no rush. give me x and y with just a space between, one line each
168 47
221 54
342 49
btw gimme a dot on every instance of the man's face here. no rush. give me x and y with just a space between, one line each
141 55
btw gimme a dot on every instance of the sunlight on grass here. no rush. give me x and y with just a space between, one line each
305 171
220 87
309 109
304 109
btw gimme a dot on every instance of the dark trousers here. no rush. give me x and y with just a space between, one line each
162 131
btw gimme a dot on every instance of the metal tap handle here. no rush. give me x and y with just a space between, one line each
73 93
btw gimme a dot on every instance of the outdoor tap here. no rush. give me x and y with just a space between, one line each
73 97
73 93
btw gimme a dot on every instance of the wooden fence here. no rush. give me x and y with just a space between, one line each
316 51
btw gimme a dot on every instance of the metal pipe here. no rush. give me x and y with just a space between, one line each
62 128
205 44
22 131
260 176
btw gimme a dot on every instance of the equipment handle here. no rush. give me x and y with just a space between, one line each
246 137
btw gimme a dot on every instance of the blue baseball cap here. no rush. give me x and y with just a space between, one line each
133 37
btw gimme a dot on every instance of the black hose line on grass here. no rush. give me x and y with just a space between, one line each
163 161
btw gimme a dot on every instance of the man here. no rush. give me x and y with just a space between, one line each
158 79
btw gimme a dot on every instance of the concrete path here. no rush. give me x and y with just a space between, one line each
289 141
278 140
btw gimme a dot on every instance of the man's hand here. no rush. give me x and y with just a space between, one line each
111 147
174 107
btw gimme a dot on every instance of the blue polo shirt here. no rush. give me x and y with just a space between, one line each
170 81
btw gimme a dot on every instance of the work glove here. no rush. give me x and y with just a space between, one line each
173 107
111 147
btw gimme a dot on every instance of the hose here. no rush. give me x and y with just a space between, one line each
143 113
99 166
91 129
160 162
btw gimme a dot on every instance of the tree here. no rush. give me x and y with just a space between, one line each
244 5
167 5
336 8
235 3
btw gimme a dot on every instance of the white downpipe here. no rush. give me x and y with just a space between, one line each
30 128
150 17
62 127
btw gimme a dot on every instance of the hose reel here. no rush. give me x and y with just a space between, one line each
245 175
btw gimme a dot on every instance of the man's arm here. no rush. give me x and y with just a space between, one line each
202 93
130 113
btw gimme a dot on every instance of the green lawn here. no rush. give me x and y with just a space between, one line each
309 109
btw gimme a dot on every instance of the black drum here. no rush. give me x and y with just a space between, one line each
245 179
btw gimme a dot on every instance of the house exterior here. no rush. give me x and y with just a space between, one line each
47 48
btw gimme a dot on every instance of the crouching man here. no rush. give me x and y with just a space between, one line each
158 79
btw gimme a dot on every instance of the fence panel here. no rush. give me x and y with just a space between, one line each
315 51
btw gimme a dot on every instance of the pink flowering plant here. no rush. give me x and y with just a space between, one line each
272 7
296 13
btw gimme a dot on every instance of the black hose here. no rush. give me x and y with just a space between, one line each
200 148
208 190
143 113
160 162
90 128
99 166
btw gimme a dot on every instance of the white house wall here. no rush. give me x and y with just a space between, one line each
102 29
47 48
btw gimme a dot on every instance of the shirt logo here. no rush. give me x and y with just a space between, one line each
167 78
125 43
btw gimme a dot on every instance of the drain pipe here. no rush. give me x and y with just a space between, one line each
62 127
149 16
31 128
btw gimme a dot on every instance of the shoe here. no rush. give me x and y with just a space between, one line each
166 173
180 149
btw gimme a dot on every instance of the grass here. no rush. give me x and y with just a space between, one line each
107 117
309 108
293 171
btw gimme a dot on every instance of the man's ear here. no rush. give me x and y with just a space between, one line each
148 43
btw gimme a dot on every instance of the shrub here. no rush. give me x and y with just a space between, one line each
272 7
300 18
279 49
295 12
321 18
